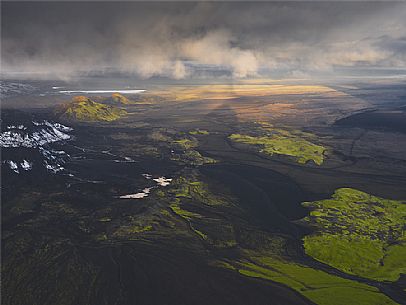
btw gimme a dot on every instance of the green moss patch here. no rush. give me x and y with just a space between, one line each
283 142
199 132
318 286
182 146
196 190
359 234
193 201
186 143
178 210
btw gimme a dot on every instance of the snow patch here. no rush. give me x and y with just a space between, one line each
161 181
145 192
37 136
13 166
25 165
52 132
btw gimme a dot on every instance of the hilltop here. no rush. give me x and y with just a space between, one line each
120 99
82 108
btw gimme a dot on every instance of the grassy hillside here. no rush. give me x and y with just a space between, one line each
82 108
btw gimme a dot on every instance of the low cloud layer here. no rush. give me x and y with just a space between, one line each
175 40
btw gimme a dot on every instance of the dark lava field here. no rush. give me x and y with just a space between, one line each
205 195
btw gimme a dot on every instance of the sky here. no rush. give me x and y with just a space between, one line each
181 40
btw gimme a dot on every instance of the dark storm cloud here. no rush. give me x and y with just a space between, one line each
171 38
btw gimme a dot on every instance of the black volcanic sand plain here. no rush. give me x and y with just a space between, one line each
230 226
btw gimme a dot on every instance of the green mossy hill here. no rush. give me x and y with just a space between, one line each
283 142
120 99
84 109
318 286
359 234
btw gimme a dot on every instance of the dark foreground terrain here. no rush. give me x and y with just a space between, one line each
278 198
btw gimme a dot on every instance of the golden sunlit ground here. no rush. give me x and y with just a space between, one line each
262 99
222 92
